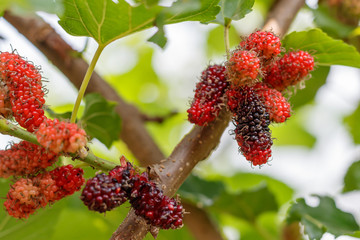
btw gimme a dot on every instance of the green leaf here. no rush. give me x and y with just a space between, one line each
326 217
197 10
106 21
352 178
60 116
234 9
248 204
306 95
100 119
245 181
327 22
159 37
326 50
352 122
198 190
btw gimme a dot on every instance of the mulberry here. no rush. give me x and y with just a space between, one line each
208 98
252 127
275 103
266 44
23 81
289 70
24 158
61 136
149 202
243 67
103 193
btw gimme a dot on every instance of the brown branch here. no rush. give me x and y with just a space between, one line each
158 119
281 15
44 37
200 226
291 231
200 141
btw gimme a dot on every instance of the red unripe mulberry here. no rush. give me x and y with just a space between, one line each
243 67
289 70
24 158
68 180
275 103
209 96
61 136
266 44
23 81
29 194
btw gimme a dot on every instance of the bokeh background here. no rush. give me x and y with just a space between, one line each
312 150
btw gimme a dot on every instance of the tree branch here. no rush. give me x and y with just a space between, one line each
281 15
200 141
61 54
200 226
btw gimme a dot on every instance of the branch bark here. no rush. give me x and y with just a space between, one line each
281 15
200 226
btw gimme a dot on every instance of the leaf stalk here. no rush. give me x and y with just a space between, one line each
85 82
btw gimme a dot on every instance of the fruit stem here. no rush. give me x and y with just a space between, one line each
226 37
7 128
85 82
99 163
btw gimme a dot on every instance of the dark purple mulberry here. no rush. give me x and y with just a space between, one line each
103 193
252 127
150 203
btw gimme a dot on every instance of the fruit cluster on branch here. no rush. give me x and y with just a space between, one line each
105 192
22 99
29 194
251 84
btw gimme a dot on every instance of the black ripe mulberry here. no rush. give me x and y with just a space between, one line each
149 202
103 193
252 127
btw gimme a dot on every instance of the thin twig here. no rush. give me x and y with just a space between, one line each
8 128
158 119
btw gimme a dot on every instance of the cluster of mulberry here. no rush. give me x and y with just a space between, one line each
29 194
22 98
105 192
256 76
